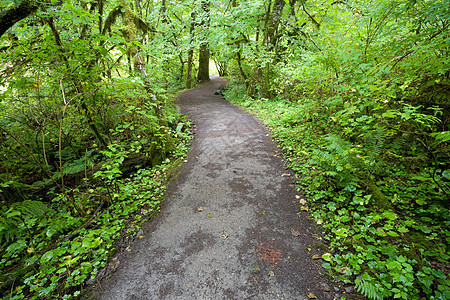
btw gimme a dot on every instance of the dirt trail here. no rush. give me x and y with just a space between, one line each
247 242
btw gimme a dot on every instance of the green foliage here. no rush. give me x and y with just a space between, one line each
369 289
383 250
86 139
17 221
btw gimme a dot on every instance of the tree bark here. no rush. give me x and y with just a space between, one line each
13 14
203 57
203 63
272 25
190 53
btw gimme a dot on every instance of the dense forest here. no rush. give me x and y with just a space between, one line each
357 94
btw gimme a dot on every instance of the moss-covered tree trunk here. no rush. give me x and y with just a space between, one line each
190 53
203 63
203 57
14 13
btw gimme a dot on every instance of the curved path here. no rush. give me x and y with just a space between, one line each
229 228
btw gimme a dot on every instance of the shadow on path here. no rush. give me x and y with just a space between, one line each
229 228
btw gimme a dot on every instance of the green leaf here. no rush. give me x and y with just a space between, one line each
390 215
446 174
47 256
326 256
179 127
393 233
87 242
13 214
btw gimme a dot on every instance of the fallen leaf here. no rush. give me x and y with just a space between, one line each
302 201
210 215
30 250
141 237
304 208
297 197
295 232
285 174
316 257
200 209
312 296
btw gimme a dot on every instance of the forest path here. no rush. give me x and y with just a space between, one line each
229 228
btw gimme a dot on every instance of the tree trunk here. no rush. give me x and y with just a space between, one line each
190 53
272 21
189 69
203 56
271 34
13 14
203 63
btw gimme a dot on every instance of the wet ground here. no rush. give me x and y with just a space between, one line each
229 228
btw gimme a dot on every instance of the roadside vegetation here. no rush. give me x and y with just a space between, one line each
362 117
88 132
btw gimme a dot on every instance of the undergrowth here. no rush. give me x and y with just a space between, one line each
49 251
386 224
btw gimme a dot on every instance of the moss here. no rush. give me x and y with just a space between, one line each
409 161
111 19
380 200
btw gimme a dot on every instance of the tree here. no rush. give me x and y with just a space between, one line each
203 56
190 52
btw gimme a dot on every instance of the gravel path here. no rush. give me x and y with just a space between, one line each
229 228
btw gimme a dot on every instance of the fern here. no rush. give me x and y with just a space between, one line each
338 144
9 229
18 213
375 145
30 209
338 161
369 289
76 166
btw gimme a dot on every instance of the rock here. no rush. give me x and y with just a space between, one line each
336 289
325 287
349 289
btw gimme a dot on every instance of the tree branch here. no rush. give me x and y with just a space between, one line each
13 14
